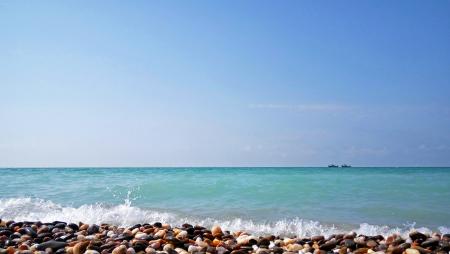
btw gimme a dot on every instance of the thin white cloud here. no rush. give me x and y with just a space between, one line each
303 107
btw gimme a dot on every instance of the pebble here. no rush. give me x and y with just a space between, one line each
122 249
158 238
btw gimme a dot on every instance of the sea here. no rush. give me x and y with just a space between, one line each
302 201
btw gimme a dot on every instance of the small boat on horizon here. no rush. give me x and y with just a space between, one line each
342 166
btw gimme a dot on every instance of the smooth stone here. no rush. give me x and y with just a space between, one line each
192 248
430 243
91 252
121 249
43 235
328 245
317 238
93 229
361 251
349 243
80 247
411 251
361 241
182 235
131 251
110 233
295 247
30 231
141 236
371 244
277 250
73 226
259 251
350 236
422 250
83 227
10 250
216 231
5 232
395 250
24 247
60 225
150 250
238 252
168 247
54 245
417 236
140 245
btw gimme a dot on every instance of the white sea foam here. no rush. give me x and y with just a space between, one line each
31 209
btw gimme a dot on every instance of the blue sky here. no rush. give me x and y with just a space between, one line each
224 83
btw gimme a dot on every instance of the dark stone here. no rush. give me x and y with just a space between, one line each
93 229
30 231
186 225
264 242
190 231
5 232
339 236
122 237
350 236
135 226
317 238
444 245
417 236
108 246
277 250
59 222
14 224
349 243
60 225
175 241
73 226
43 235
157 224
140 246
54 245
252 242
328 245
430 243
381 247
15 235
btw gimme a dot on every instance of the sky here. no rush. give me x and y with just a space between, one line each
224 83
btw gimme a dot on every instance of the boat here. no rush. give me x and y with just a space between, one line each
345 166
333 166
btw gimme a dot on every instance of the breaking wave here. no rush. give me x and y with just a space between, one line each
34 209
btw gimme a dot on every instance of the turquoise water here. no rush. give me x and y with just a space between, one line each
277 200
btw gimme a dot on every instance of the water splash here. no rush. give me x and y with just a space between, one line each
34 209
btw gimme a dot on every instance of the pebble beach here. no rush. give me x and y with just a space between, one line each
156 238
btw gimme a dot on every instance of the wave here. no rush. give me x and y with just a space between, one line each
35 209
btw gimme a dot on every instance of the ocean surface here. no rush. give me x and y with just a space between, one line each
287 201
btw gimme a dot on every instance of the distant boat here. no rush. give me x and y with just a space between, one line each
333 166
345 166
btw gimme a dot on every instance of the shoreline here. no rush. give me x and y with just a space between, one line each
62 237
